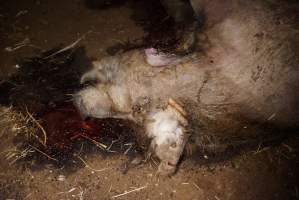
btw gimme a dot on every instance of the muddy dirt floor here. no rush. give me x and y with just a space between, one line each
261 173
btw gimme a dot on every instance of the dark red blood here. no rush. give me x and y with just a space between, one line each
64 126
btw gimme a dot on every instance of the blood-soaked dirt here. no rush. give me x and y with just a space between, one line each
260 173
66 132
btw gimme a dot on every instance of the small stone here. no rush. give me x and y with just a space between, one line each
61 178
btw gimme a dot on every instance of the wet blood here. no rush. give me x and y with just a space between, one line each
65 127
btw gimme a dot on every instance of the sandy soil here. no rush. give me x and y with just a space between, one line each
261 174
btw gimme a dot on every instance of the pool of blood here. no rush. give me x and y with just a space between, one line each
64 128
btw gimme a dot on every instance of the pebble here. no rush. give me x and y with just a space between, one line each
61 178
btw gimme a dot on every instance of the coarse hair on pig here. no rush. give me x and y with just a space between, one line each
104 71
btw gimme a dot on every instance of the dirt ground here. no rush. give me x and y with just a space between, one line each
259 174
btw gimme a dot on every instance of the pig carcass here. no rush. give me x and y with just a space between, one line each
247 70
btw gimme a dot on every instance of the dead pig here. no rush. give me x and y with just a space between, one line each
245 69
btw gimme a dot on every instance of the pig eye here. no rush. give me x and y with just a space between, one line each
173 145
